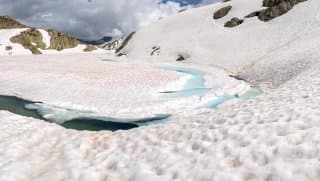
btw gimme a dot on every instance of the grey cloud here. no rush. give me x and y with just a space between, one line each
88 19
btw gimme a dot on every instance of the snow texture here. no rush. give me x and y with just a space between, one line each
273 136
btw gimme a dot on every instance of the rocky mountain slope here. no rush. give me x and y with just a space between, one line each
106 43
7 22
17 38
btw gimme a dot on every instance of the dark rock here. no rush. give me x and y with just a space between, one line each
237 77
275 8
124 43
270 3
96 42
182 10
180 58
275 11
253 14
111 45
233 22
120 54
8 48
155 49
222 12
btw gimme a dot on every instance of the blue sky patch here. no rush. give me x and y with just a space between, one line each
184 2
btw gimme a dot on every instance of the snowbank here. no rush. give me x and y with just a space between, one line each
274 136
5 43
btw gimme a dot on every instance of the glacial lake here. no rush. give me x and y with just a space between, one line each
19 106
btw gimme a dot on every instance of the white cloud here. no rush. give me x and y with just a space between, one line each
88 19
115 33
205 2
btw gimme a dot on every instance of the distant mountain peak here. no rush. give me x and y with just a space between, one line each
97 42
35 40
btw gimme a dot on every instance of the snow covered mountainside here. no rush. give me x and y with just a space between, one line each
19 39
112 45
240 81
202 35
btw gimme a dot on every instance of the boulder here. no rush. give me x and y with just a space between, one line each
222 12
275 11
233 22
275 8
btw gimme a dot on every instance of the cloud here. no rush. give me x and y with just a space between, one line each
205 2
89 18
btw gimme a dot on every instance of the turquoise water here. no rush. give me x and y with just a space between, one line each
193 87
253 92
189 92
216 102
19 106
197 80
213 104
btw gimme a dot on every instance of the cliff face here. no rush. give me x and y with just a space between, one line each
60 41
6 22
30 39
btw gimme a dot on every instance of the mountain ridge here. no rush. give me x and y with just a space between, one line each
35 40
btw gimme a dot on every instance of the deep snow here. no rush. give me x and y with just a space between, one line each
272 136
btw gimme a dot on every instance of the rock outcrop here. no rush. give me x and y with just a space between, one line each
90 48
124 43
222 12
60 41
233 22
6 22
275 8
30 39
111 45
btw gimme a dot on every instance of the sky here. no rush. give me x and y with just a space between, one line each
93 19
